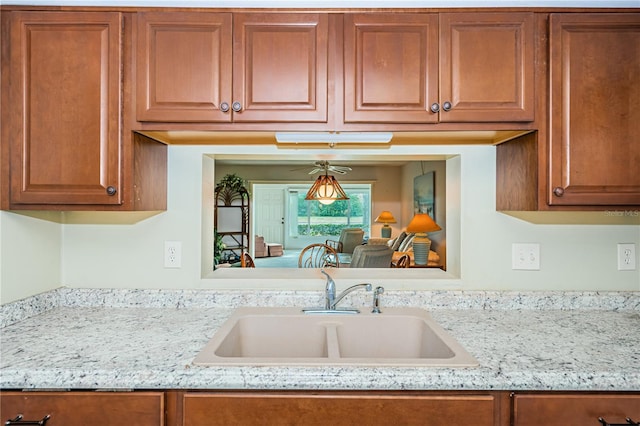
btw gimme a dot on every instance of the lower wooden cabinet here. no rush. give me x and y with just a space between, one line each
562 409
309 408
84 408
353 408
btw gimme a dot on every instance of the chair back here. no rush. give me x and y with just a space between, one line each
318 256
375 256
350 238
403 261
246 261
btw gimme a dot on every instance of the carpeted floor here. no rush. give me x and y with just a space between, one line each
288 260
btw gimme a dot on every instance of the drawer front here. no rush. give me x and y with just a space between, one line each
208 409
574 409
85 408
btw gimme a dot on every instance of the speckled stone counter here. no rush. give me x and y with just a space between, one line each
147 339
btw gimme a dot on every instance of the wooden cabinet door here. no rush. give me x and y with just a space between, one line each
184 66
390 68
595 109
65 85
486 67
280 67
574 409
85 408
211 409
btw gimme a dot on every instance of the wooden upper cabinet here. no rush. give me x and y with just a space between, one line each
223 67
183 66
280 67
595 109
64 93
487 67
429 68
390 67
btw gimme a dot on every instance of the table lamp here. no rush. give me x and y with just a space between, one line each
385 217
420 225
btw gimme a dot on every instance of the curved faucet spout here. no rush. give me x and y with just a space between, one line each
337 299
329 291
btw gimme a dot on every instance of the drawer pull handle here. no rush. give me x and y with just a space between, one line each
628 422
18 421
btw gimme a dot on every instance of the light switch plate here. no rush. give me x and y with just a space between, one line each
525 256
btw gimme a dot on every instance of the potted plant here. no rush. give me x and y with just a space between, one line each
218 247
232 182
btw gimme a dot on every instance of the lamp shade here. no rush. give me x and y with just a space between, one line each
422 223
385 217
326 190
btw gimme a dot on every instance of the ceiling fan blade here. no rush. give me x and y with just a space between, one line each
340 169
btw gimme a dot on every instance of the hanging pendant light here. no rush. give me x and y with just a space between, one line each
326 190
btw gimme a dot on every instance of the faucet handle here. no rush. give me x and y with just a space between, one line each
376 300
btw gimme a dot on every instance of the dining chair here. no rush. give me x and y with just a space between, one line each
349 239
375 256
403 261
318 255
246 261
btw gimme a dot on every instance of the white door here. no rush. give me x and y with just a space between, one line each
269 212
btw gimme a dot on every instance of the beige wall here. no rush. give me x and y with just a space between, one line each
30 255
38 255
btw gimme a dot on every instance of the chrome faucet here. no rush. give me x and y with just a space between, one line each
376 300
331 300
329 291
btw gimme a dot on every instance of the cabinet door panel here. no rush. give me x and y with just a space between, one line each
322 409
390 68
280 67
595 109
183 66
572 409
65 88
85 408
487 66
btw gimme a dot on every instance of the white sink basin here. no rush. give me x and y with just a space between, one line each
286 336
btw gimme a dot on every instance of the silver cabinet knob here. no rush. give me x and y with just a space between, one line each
224 107
558 192
435 107
111 190
447 106
236 106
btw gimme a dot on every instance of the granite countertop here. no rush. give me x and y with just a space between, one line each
137 339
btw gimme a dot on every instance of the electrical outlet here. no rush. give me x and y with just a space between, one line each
626 257
525 256
172 254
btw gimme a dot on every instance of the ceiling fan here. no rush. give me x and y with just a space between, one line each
325 167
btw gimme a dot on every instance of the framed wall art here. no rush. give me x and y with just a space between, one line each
424 194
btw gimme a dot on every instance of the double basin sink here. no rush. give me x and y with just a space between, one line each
287 336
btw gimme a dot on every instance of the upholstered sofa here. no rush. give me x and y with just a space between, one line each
402 244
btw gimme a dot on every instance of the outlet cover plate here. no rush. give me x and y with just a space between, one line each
525 256
626 257
172 254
